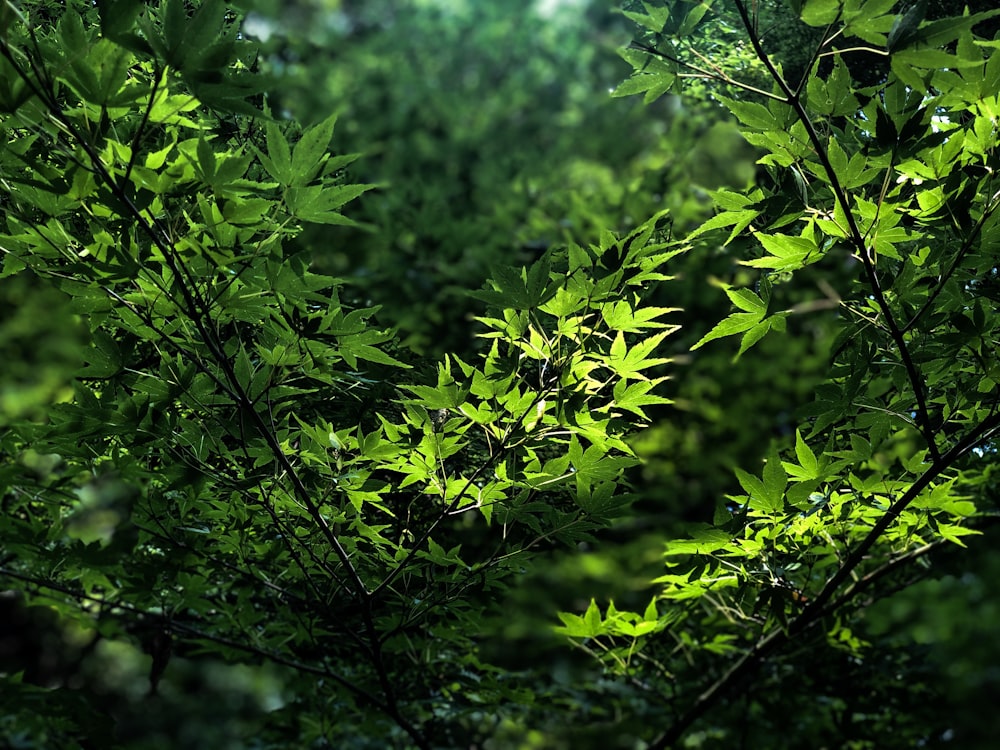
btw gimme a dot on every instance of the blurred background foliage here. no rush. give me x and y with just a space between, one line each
40 347
490 129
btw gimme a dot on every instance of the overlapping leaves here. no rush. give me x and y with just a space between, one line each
240 463
896 182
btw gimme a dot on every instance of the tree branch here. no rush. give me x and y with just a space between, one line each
857 236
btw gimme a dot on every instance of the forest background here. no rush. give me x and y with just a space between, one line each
486 136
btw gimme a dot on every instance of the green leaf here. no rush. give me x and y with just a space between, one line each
623 316
837 156
753 336
573 626
693 18
735 323
806 457
311 151
906 24
752 114
785 253
653 85
519 289
278 161
775 479
655 18
206 159
592 619
746 300
318 203
954 533
821 12
738 220
651 613
118 17
634 396
703 541
628 361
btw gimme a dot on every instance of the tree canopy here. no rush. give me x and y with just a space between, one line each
390 384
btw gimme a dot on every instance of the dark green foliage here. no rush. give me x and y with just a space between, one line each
897 185
238 512
242 467
490 134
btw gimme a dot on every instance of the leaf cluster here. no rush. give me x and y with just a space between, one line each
897 182
245 466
